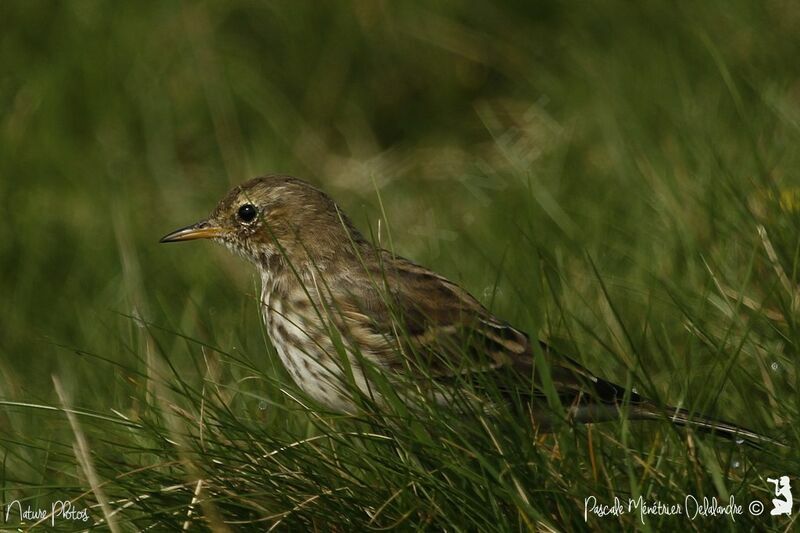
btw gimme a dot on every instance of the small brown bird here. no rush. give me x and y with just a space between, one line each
337 308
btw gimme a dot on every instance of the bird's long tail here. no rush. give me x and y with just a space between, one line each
682 417
640 409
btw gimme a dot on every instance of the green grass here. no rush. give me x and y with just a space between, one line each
622 178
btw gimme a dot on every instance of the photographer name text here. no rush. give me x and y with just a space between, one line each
691 507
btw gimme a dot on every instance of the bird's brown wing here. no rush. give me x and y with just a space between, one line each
413 317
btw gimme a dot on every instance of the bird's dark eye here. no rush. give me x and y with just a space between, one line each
247 213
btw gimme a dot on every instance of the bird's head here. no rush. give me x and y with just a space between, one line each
275 216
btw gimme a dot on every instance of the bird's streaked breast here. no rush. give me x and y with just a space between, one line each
302 343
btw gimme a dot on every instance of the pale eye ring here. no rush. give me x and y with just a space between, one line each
247 213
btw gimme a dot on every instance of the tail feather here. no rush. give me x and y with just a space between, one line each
683 418
641 409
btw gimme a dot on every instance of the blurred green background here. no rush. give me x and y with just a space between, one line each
621 174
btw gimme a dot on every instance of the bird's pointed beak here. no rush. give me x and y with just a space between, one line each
202 230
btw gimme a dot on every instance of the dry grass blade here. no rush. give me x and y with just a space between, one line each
83 455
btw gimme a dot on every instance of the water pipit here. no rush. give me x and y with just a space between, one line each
338 309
